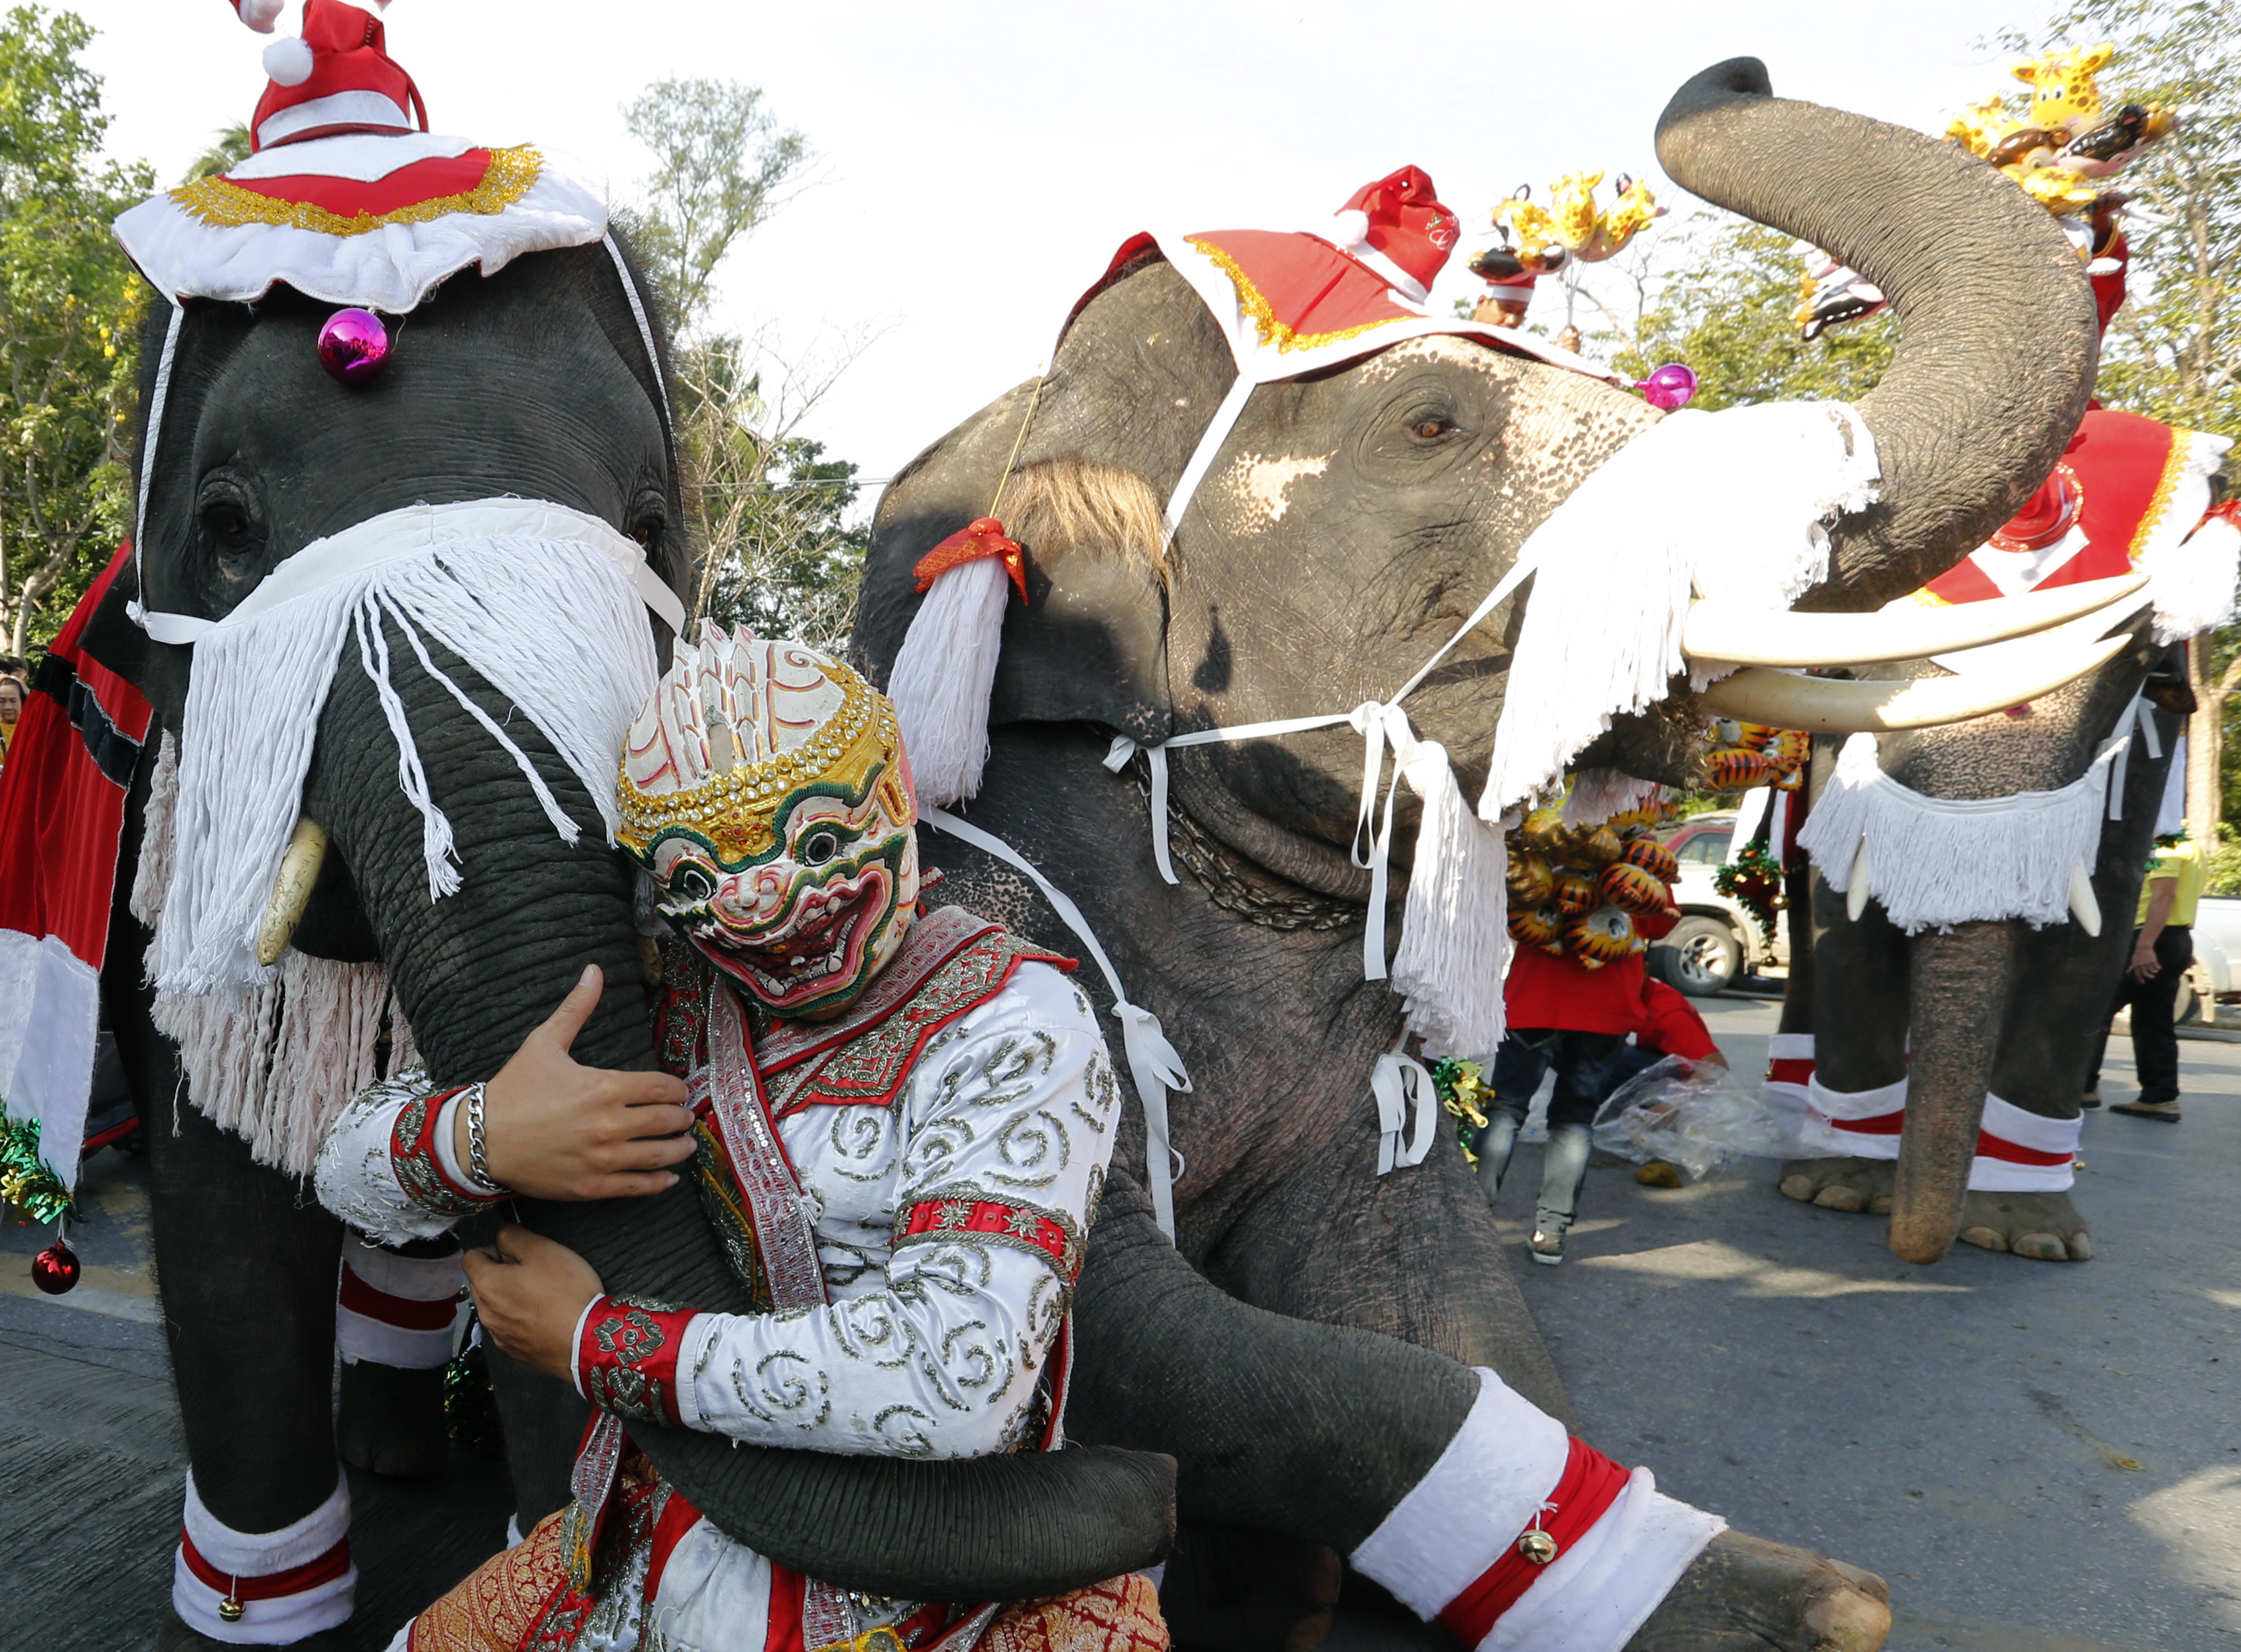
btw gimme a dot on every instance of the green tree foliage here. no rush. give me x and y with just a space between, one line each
229 147
721 167
765 511
1727 309
68 298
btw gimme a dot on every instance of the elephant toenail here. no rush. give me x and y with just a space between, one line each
1984 1238
1798 1187
1847 1199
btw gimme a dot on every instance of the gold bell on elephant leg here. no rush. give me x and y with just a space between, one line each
230 1609
1536 1546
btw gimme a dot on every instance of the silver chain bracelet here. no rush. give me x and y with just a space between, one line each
477 1162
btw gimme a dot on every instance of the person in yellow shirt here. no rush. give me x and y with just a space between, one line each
2163 946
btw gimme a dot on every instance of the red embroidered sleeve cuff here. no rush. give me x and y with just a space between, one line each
420 1167
626 1358
963 1214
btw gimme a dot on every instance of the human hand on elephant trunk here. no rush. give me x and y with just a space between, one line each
530 1291
554 1129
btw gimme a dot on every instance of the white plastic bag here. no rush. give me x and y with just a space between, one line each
1694 1115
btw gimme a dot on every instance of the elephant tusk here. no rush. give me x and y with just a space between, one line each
1737 633
2084 906
1856 892
1821 705
292 889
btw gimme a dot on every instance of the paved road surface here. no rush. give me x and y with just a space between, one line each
2040 1458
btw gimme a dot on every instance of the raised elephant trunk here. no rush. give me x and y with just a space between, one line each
1990 379
2000 344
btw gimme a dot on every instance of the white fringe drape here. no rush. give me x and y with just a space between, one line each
1733 505
549 618
2191 582
275 1064
1455 936
1597 794
1936 862
943 676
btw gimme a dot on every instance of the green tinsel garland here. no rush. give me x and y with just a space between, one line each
1754 880
25 1180
470 1401
1458 1085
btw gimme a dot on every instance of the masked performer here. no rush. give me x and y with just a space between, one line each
900 1127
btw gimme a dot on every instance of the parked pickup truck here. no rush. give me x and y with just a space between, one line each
1716 937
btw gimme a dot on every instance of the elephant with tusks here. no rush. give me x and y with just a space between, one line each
1959 934
1294 1375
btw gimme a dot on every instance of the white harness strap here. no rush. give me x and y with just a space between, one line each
1153 1063
155 430
645 326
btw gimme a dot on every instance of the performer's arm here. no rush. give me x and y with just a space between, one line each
399 1162
1007 1131
2162 893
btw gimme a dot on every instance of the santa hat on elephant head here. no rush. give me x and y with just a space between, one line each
335 77
1398 228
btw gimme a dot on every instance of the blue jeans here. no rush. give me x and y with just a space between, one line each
1580 1061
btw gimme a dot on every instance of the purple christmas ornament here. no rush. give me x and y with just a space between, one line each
1670 387
354 346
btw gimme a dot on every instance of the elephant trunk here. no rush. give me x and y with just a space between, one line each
474 973
2000 340
1961 981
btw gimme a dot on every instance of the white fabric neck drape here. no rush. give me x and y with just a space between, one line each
545 603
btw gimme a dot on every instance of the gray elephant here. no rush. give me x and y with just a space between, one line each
1248 1356
1344 529
2002 989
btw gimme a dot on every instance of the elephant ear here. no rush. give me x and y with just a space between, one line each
1089 645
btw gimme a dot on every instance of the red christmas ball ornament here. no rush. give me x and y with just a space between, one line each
354 346
53 1270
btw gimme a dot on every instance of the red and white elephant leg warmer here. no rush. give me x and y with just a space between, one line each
395 1309
1521 1539
2016 1152
264 1588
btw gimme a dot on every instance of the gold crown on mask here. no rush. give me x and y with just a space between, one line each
739 726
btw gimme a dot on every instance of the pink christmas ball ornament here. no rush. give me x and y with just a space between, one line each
1670 387
354 346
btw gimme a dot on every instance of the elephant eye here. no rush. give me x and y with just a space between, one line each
692 882
1431 428
820 846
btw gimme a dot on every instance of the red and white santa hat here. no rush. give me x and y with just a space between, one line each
348 198
335 77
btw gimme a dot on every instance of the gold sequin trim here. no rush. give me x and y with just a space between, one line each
2175 469
738 811
1265 321
224 204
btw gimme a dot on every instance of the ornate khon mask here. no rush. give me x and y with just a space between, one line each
766 790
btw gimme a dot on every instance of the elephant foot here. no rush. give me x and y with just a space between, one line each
173 1636
2044 1227
1855 1185
391 1421
1746 1595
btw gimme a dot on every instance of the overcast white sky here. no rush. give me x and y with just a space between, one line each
979 161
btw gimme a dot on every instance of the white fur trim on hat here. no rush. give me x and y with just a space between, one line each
260 15
289 63
391 270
